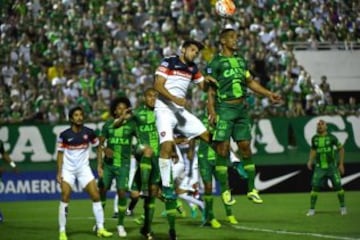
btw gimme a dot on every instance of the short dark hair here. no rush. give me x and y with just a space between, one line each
116 101
189 42
73 110
150 89
225 31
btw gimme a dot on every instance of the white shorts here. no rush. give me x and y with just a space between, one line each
84 175
181 119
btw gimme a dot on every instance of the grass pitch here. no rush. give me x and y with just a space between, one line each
281 216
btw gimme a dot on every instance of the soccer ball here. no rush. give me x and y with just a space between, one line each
225 8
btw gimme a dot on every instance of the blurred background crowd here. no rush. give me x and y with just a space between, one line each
60 53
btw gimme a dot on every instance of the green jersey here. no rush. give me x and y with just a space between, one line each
231 74
119 140
325 150
146 127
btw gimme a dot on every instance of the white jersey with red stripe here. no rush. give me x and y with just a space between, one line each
178 77
76 147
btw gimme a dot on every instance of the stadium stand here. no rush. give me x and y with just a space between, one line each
58 53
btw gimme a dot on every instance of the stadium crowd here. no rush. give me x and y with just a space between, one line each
59 53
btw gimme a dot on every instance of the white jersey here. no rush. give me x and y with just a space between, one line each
178 77
76 147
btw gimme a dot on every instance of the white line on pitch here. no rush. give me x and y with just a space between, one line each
284 232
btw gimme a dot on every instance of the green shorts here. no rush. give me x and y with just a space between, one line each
321 175
232 121
120 174
154 175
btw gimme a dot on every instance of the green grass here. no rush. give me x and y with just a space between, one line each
282 216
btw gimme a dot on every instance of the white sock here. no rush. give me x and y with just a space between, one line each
190 199
63 211
99 214
165 171
116 201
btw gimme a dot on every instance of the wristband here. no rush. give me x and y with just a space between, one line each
12 164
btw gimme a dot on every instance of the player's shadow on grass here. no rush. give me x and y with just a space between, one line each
327 212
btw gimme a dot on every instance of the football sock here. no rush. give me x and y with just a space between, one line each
341 197
145 170
170 206
249 167
208 212
149 209
313 199
165 171
63 212
99 214
228 210
116 201
122 209
221 172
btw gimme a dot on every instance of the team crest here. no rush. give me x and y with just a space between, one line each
163 134
85 137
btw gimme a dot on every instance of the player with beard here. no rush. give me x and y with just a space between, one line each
73 164
172 80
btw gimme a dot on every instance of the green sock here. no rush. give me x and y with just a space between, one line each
208 211
122 208
145 169
249 167
151 211
221 172
341 197
228 210
170 206
313 199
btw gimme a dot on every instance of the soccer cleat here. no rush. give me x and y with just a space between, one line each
239 167
103 233
215 223
343 211
146 234
129 212
310 213
232 219
62 236
1 217
115 215
139 220
227 198
172 235
254 196
121 231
